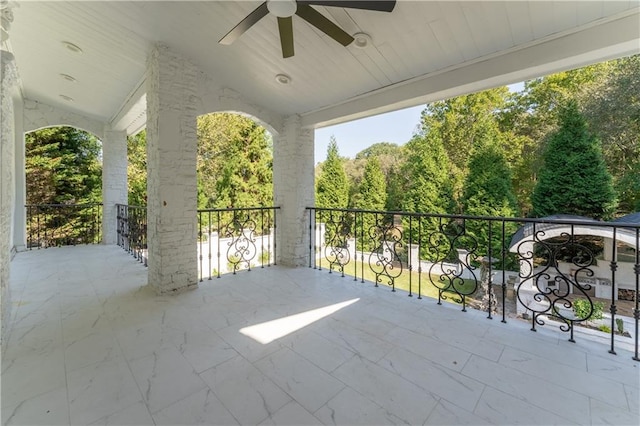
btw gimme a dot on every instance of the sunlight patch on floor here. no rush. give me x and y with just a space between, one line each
269 331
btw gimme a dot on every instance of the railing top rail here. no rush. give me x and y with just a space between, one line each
64 205
559 221
234 209
131 206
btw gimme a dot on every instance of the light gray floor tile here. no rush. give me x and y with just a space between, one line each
363 344
400 397
607 414
136 414
429 348
203 350
529 388
200 408
320 351
99 390
402 360
588 384
248 394
292 414
500 408
434 378
447 413
351 408
164 378
303 381
49 408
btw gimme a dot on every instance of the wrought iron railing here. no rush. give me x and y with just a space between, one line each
132 230
54 225
233 239
536 269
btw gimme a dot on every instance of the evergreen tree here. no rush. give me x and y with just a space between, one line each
372 195
137 168
63 166
426 188
488 192
235 162
574 178
332 187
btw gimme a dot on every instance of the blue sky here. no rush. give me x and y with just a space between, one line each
352 137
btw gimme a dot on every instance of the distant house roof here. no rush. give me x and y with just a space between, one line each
630 218
582 226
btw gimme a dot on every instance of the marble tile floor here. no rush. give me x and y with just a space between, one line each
91 344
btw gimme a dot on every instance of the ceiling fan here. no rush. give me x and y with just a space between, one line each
285 9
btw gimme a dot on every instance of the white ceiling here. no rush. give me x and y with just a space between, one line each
421 51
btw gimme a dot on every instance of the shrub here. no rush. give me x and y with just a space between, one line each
583 307
620 325
604 328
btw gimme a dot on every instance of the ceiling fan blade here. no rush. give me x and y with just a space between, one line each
285 26
245 24
380 6
322 23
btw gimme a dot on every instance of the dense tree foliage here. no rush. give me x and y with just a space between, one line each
573 178
235 162
137 168
63 166
332 186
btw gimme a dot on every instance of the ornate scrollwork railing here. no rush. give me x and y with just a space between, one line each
234 239
553 271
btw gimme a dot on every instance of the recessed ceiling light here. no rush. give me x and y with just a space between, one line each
66 98
361 40
283 79
72 47
68 77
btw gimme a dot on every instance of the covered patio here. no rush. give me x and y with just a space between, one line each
91 343
91 336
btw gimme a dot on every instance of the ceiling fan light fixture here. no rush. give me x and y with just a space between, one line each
283 79
361 40
282 8
72 47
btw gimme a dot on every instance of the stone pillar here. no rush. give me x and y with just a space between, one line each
293 186
20 212
114 181
8 79
171 171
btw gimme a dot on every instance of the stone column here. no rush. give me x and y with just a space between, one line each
20 212
8 78
171 171
114 181
293 186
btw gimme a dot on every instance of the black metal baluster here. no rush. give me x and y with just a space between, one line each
490 278
613 309
504 267
409 260
636 311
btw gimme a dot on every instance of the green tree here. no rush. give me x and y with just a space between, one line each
234 163
63 166
464 122
332 187
574 178
488 192
137 168
372 195
612 109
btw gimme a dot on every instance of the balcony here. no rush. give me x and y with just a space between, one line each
91 343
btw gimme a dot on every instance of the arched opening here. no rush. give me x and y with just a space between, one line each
63 176
236 220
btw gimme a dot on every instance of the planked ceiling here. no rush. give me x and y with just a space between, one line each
417 40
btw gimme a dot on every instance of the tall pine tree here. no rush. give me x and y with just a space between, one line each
574 178
332 187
